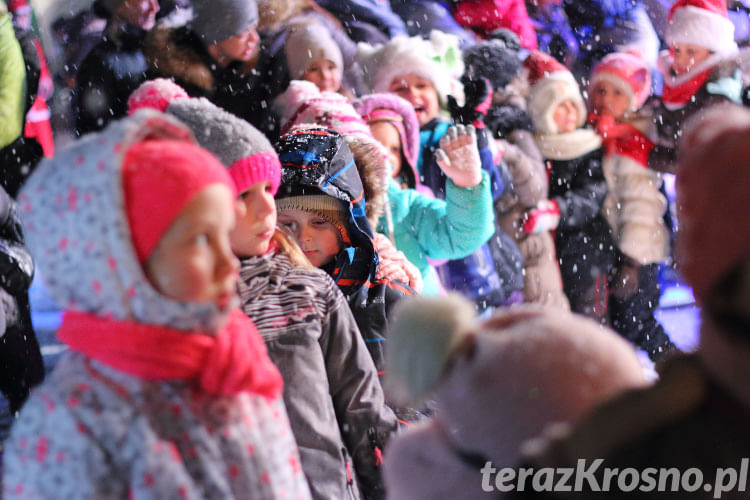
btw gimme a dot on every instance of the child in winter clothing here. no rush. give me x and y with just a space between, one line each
298 310
577 186
312 55
634 206
700 69
424 227
420 225
408 68
524 370
703 395
167 390
321 203
511 125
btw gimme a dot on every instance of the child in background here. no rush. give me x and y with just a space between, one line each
308 328
312 55
420 225
321 204
408 68
166 390
577 186
634 206
511 126
700 69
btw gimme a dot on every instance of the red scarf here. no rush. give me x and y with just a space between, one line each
233 361
679 95
622 139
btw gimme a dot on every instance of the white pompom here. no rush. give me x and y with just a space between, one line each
422 337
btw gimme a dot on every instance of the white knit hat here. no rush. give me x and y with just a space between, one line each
437 60
550 84
701 22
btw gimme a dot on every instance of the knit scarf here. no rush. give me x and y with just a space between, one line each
678 95
568 145
233 361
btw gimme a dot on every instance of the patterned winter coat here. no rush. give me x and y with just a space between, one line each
91 431
331 387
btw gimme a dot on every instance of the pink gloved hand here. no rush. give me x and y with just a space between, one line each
394 265
544 217
458 156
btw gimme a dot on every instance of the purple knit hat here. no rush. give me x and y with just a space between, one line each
388 107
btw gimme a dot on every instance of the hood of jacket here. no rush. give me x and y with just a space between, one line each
315 160
73 209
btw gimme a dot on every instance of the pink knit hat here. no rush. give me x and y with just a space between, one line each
160 177
712 185
242 148
303 102
398 112
628 72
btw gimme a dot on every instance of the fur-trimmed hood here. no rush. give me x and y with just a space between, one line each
179 54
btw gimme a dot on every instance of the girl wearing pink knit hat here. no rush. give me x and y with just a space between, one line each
634 206
166 390
298 310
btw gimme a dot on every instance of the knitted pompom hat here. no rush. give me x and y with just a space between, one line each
711 201
302 102
307 43
437 59
160 177
218 20
550 84
242 148
701 22
155 94
628 72
397 111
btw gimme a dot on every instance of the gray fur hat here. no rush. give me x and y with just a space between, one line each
217 20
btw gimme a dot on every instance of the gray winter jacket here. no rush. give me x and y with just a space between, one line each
331 387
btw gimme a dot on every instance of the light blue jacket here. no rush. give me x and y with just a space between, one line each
440 229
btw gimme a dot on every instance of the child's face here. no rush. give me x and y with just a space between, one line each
387 135
609 99
565 116
325 74
256 221
420 93
193 261
319 239
141 13
687 56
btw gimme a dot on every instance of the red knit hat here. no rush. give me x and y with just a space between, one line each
160 177
701 22
550 84
628 72
712 185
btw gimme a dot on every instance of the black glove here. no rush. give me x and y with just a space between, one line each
478 98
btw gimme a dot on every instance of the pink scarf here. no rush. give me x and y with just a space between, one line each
233 361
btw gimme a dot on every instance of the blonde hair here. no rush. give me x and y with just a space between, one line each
288 246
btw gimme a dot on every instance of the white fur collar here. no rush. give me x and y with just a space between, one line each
568 145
